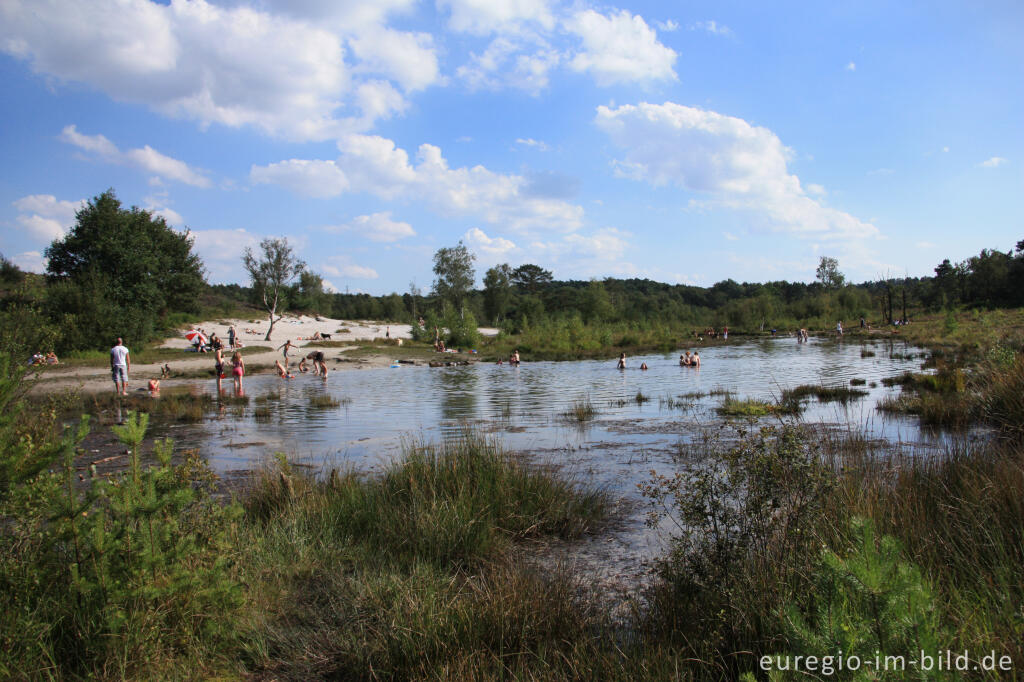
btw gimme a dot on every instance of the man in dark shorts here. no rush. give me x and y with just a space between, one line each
319 365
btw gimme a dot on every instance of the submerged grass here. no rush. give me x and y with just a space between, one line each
824 394
750 407
324 402
581 410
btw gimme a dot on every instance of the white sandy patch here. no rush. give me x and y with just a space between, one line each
298 329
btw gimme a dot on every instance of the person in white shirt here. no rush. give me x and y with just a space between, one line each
120 365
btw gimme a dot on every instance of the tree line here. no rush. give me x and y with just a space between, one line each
124 272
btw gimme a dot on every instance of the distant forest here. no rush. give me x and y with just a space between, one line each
125 272
991 279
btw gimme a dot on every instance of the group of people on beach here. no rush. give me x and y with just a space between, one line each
215 343
40 359
120 365
315 357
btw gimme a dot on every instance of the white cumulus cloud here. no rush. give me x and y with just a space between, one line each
737 165
620 48
375 165
145 158
45 217
221 251
316 179
486 16
379 227
493 248
290 69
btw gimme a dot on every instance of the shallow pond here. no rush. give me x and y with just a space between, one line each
525 407
381 409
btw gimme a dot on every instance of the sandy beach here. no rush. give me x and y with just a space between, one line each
250 332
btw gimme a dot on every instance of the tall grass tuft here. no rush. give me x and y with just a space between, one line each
409 573
581 410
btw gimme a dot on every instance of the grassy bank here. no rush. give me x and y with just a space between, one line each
408 574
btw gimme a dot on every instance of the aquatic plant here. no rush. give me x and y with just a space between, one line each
750 407
581 410
324 402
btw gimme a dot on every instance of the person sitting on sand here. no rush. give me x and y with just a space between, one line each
51 358
316 337
622 361
154 385
695 360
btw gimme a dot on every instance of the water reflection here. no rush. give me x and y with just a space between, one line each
526 404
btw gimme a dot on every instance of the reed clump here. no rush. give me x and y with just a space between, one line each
749 407
824 394
324 402
581 411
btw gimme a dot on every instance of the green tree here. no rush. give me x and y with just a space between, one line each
146 268
9 272
455 275
828 273
597 304
311 295
497 292
531 278
272 274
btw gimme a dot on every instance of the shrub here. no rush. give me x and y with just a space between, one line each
746 523
871 600
117 577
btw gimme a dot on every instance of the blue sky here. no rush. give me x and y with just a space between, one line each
683 142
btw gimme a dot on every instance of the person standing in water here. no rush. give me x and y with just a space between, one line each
622 361
120 365
237 371
218 367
